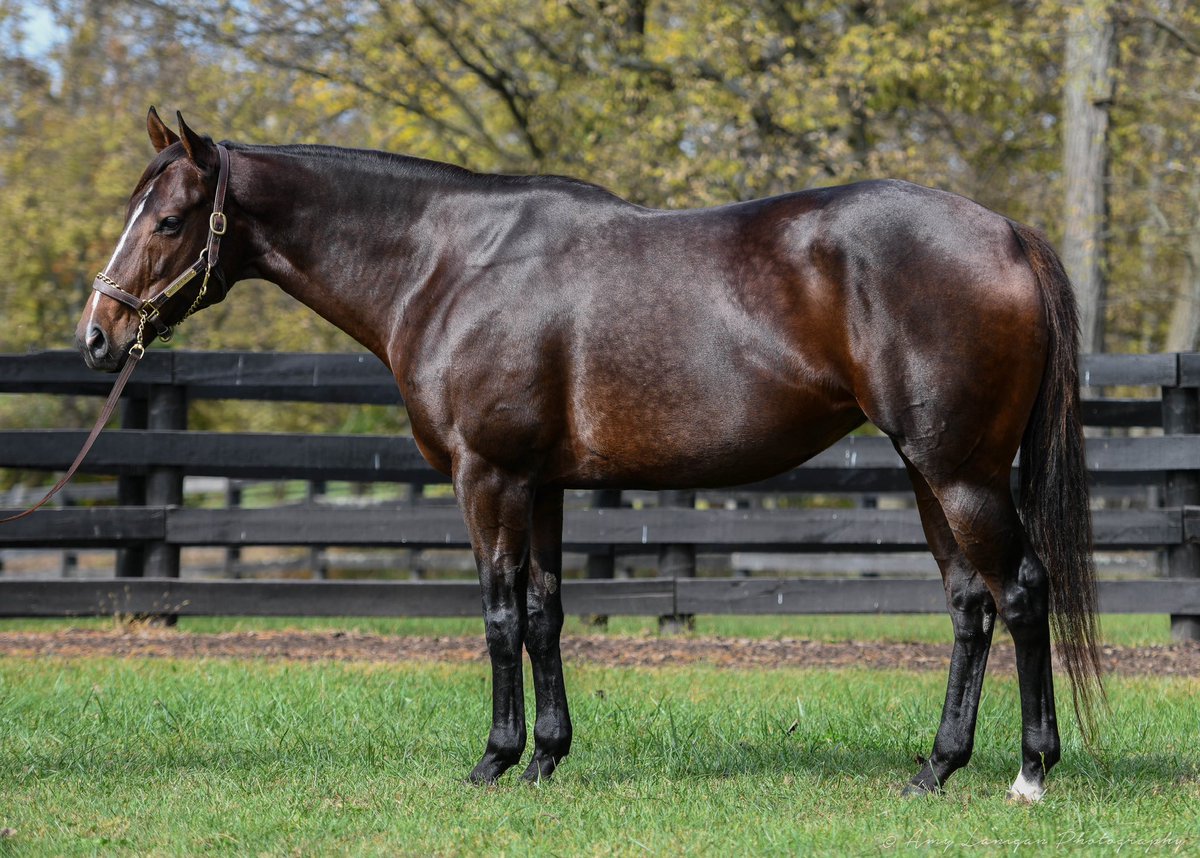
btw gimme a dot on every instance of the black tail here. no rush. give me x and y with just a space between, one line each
1054 488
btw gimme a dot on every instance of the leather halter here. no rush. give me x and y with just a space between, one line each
151 310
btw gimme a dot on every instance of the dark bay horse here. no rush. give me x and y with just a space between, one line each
547 335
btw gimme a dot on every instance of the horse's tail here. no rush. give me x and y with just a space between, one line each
1054 488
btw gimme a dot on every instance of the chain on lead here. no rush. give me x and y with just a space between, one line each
199 296
138 349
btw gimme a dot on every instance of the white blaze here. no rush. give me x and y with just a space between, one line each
120 243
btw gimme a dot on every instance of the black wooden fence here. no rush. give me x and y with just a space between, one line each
1146 446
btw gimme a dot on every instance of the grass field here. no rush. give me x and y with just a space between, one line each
101 756
1118 629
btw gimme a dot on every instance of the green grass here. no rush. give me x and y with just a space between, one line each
160 757
1119 629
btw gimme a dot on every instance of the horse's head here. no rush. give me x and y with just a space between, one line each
173 226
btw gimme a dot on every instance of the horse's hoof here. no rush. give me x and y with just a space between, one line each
1014 797
1025 791
483 775
918 789
540 769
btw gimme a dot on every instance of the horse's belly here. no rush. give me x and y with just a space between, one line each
686 448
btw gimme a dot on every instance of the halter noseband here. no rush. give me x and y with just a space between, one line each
150 311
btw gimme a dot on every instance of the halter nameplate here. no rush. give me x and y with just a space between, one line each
150 310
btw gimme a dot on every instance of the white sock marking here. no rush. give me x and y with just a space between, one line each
1026 790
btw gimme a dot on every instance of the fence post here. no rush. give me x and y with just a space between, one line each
69 559
602 564
164 485
677 561
233 553
1181 415
318 563
131 491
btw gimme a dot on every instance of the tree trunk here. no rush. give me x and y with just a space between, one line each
1087 96
1185 309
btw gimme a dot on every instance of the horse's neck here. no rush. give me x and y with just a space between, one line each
352 246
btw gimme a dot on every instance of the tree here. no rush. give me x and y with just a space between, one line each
1087 97
669 103
1154 198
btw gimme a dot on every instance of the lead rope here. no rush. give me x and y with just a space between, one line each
135 354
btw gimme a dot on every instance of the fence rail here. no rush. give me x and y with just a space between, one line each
718 530
637 597
153 451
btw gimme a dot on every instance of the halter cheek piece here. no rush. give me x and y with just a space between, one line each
151 311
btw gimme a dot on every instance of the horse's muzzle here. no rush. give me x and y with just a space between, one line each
97 350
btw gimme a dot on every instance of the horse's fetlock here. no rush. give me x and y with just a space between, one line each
552 736
506 745
1051 753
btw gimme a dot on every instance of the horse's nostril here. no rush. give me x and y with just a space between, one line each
95 339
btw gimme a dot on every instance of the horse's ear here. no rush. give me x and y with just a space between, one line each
160 135
201 150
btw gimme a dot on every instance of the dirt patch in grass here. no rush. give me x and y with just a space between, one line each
1181 659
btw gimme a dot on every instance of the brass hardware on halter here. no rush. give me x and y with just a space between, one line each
183 280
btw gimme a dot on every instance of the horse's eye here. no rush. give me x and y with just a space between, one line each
170 224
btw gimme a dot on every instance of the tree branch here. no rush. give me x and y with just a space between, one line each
1170 29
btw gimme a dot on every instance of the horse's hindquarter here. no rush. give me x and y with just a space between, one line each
945 320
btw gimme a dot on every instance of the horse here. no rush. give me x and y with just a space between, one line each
546 334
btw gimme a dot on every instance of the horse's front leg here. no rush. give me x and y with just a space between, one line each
497 509
552 729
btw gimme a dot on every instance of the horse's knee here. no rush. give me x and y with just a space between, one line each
503 630
543 628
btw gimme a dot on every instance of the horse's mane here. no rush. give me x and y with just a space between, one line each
408 166
385 163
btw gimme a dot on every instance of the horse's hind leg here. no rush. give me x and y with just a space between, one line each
973 613
985 524
552 729
497 510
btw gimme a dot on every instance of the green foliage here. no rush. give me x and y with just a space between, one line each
669 103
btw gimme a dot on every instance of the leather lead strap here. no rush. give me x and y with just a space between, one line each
105 413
